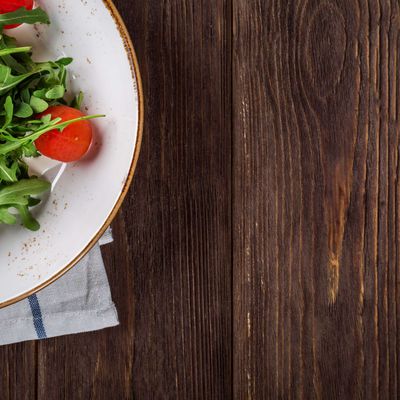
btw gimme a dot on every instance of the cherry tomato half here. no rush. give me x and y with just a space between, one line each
7 6
72 143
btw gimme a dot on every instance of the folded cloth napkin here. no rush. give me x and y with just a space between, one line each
80 301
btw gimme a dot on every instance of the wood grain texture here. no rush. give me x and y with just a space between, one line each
182 245
16 363
316 199
256 255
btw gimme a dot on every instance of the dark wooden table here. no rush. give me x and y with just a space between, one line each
257 254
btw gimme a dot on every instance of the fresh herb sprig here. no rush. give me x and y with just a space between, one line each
26 89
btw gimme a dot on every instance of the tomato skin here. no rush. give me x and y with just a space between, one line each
7 6
72 143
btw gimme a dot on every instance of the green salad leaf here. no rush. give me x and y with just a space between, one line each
19 192
27 219
8 173
24 16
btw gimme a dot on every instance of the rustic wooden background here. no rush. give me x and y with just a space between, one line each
256 255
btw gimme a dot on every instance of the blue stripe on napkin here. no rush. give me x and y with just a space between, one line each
37 317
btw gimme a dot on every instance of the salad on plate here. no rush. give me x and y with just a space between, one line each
35 117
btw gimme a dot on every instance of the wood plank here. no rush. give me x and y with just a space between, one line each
18 372
179 226
316 122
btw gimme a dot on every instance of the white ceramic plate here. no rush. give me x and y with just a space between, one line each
89 192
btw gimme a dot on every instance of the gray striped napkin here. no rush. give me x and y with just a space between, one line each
80 301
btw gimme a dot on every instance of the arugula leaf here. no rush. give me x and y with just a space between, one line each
33 202
41 93
6 217
64 61
18 193
24 16
8 174
77 102
9 109
23 111
8 81
16 66
26 217
25 95
38 105
56 92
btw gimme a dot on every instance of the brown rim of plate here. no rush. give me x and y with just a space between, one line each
136 76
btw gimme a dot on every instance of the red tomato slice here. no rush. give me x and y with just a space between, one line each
72 143
7 6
